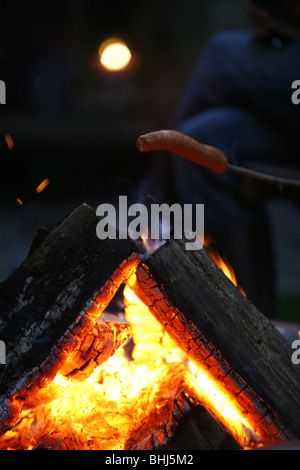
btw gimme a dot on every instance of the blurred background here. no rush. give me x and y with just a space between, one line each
72 123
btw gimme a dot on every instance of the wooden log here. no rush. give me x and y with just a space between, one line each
50 304
219 329
178 422
98 346
198 430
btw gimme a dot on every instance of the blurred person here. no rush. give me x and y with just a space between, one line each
239 100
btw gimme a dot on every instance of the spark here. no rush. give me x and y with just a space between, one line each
42 185
9 141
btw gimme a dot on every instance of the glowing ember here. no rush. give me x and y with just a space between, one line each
19 201
151 339
102 411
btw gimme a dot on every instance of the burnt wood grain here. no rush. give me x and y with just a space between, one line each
179 422
222 330
51 302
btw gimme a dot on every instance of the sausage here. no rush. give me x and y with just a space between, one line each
183 145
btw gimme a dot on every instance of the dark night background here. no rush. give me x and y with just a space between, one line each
77 125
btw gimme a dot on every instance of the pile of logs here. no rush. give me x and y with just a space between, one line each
50 309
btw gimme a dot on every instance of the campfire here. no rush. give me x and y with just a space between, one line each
186 362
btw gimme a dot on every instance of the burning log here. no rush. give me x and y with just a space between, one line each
224 334
198 430
49 307
179 422
97 347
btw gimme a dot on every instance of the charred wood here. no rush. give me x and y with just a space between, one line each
220 329
98 346
179 422
198 430
50 304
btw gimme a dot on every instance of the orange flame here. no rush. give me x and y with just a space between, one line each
100 412
223 264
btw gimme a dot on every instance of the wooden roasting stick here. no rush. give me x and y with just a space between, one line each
219 329
49 307
204 155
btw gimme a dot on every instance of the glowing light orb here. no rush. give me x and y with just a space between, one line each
114 54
